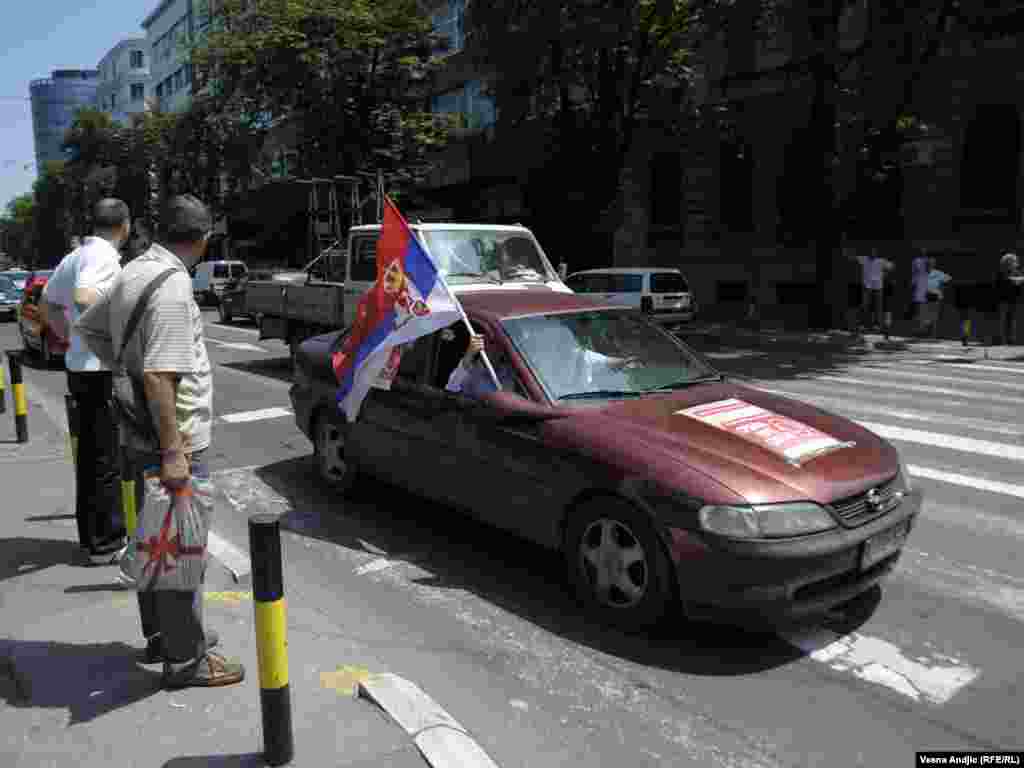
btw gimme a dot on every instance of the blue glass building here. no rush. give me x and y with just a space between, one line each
55 100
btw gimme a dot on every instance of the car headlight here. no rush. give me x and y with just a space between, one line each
766 521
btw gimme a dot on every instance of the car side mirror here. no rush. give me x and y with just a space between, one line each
509 407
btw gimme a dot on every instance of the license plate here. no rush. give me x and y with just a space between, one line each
883 544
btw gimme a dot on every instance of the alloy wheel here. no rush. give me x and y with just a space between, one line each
615 564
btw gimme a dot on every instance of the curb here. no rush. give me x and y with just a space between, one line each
440 738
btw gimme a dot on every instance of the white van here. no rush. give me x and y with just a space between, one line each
661 292
211 278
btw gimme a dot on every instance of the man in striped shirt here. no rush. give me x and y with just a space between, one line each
168 352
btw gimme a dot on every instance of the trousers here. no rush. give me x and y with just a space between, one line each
175 616
97 487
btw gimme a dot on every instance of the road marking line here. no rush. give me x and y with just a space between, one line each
915 388
878 661
978 483
950 442
958 361
345 679
892 371
982 425
230 556
259 415
271 381
221 327
236 345
373 566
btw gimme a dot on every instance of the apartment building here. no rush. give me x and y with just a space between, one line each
124 79
170 28
55 100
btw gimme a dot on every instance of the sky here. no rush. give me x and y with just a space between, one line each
37 37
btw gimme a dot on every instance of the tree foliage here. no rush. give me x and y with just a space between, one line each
350 74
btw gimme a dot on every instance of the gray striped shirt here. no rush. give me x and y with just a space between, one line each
169 337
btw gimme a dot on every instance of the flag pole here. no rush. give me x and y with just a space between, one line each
462 312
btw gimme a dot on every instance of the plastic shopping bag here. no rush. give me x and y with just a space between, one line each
170 540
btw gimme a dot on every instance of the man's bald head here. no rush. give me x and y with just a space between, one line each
109 215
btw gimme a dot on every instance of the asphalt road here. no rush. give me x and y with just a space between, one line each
485 624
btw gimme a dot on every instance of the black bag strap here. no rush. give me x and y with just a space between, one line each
140 308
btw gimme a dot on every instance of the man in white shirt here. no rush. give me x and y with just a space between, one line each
471 376
81 278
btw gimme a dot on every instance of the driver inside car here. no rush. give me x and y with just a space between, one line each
471 376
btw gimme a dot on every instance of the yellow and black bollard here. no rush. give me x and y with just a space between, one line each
271 638
71 406
20 404
3 391
128 505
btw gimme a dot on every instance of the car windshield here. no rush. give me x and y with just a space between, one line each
488 255
602 354
18 278
668 282
6 285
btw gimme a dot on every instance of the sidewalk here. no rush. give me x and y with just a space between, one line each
739 335
73 690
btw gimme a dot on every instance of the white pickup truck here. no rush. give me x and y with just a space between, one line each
481 256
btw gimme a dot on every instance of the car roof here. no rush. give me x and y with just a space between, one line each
499 305
435 226
625 271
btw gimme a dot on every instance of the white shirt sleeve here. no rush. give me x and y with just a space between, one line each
458 377
58 288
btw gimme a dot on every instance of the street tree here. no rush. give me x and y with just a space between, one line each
349 76
589 73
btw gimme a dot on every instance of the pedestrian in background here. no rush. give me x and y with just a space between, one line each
168 353
81 278
873 279
1007 290
936 281
918 290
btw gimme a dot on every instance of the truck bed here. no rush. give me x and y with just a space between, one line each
315 303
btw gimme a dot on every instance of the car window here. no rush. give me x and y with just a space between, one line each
668 282
220 270
593 351
364 259
626 283
595 284
238 270
575 283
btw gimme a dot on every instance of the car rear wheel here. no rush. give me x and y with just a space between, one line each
618 566
332 464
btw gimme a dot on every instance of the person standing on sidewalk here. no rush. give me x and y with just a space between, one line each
873 273
918 290
1007 288
937 280
81 278
168 351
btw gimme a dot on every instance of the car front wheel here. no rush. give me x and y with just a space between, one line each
332 464
618 566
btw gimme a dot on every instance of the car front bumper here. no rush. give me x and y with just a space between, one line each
783 582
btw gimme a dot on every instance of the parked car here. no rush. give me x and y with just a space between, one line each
211 278
662 292
10 298
18 276
37 336
661 481
234 301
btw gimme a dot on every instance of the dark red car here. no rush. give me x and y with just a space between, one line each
36 335
661 480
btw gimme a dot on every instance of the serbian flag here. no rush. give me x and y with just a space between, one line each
409 299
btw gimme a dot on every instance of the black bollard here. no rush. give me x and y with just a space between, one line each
20 404
271 638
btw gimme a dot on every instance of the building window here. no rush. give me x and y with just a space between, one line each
137 60
448 21
179 80
138 91
159 91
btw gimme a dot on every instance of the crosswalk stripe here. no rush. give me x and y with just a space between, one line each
259 415
950 442
916 388
978 483
981 425
899 372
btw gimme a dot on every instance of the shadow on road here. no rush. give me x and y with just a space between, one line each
48 518
89 680
20 555
515 575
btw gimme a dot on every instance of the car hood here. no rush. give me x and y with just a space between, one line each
755 472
